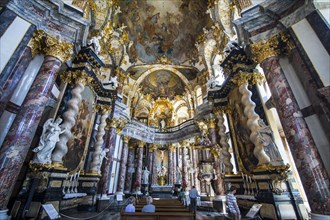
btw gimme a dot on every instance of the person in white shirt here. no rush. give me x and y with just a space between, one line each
130 207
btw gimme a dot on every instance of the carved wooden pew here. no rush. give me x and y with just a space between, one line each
157 216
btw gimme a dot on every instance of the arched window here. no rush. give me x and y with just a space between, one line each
199 96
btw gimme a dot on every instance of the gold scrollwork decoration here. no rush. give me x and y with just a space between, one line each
77 76
102 108
211 123
244 77
35 42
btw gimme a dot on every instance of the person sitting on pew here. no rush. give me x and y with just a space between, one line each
149 207
130 207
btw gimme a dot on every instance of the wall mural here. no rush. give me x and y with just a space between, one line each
80 132
164 28
245 146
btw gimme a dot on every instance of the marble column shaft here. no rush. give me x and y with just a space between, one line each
123 165
196 170
130 168
170 166
19 138
109 143
154 167
184 166
138 176
304 151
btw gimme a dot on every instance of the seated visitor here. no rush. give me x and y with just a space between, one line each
149 207
130 207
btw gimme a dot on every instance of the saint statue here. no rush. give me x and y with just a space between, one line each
95 44
48 139
145 176
101 157
266 137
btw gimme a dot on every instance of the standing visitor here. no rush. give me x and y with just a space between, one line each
232 204
193 194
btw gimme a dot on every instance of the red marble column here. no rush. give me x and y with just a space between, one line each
138 176
110 143
304 151
123 165
130 169
154 166
19 138
184 165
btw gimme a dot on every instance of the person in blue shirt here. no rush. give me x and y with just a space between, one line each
232 204
149 207
130 207
193 194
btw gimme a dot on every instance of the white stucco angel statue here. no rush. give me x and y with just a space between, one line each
50 136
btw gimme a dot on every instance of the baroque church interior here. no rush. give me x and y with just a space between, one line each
106 99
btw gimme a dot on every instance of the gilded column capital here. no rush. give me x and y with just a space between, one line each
58 48
141 144
219 110
264 49
211 123
51 46
153 147
102 108
171 147
126 139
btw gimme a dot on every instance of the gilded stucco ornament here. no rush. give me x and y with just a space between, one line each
77 76
264 49
244 77
121 123
35 42
104 109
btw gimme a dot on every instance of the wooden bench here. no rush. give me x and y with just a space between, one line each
157 216
158 209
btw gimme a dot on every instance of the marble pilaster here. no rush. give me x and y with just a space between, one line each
19 138
123 165
130 169
12 82
138 176
110 143
304 151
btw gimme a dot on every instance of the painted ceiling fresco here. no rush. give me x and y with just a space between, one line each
164 27
162 84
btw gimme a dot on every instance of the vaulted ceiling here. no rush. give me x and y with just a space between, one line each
164 27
